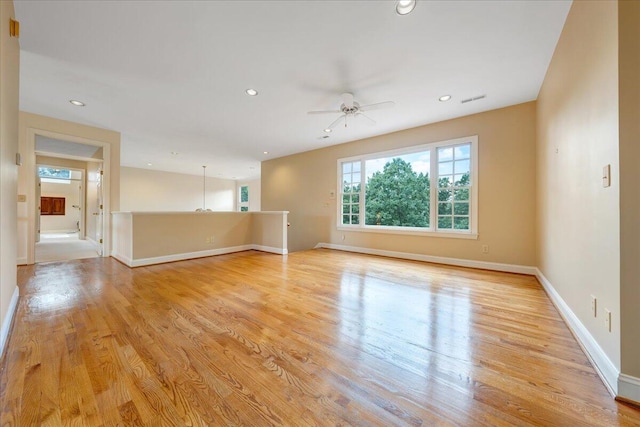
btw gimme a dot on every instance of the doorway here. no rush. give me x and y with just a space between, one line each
60 218
69 175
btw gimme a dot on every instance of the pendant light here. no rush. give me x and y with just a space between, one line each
204 191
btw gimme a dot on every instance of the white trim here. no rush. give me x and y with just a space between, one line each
270 249
629 387
412 231
603 365
21 261
433 231
191 255
6 322
510 268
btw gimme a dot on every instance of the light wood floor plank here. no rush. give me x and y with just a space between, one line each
315 338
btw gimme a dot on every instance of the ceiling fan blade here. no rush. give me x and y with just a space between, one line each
347 99
371 121
332 125
325 112
377 106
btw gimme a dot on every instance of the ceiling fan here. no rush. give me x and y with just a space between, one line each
349 107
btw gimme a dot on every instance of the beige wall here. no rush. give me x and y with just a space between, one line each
629 85
578 246
254 194
71 217
9 84
506 140
32 124
143 238
150 190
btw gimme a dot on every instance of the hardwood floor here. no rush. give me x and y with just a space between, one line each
318 338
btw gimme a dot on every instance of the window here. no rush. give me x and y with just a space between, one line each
424 189
243 199
54 175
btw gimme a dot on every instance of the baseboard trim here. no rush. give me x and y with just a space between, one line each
629 389
141 262
21 261
6 322
459 262
270 249
603 365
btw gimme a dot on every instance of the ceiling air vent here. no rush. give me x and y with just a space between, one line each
475 98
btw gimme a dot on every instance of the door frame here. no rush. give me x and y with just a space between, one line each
32 205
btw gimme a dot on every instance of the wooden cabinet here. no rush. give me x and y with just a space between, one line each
52 205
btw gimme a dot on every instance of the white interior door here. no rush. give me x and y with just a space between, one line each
38 201
100 213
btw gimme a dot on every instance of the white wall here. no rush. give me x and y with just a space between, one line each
67 222
150 190
254 194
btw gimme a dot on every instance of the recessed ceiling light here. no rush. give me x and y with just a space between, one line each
251 92
174 153
404 7
265 152
77 103
149 164
444 98
327 130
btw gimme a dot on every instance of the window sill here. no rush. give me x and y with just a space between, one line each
411 232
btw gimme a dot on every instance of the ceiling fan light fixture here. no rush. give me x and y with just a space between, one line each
404 7
251 92
444 98
77 103
328 130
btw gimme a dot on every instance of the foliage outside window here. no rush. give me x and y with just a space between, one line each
47 172
243 200
428 188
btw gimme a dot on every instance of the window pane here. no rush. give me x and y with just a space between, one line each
463 151
346 168
445 153
444 195
445 181
461 194
444 208
397 192
462 166
444 222
244 194
355 178
346 198
345 209
355 198
461 209
354 219
244 209
461 180
345 219
445 168
46 172
355 209
356 166
461 222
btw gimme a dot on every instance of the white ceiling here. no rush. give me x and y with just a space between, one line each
171 76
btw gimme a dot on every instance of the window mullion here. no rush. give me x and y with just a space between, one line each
433 198
363 177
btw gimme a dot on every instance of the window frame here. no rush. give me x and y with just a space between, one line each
242 204
432 231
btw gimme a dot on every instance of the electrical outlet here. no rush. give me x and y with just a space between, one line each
607 319
485 249
594 306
